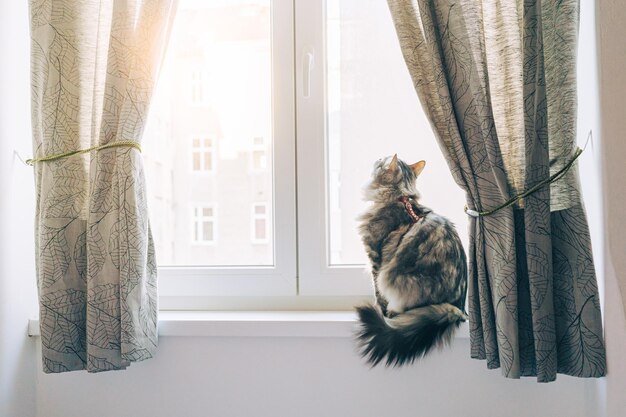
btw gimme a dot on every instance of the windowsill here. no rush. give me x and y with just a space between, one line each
339 324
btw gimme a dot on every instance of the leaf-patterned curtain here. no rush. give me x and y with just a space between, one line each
94 64
497 80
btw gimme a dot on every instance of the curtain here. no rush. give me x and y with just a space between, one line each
497 80
93 69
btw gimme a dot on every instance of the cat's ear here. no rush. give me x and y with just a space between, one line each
393 165
418 167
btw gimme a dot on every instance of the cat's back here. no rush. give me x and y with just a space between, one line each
437 237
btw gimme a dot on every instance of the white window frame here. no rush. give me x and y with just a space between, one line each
202 149
197 223
254 216
316 276
197 287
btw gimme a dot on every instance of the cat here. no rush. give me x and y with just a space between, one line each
418 266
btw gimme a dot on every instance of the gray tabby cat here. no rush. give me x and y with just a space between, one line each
418 267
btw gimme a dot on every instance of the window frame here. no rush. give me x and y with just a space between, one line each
316 276
195 227
202 150
179 284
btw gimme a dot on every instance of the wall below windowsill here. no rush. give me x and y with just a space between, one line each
255 324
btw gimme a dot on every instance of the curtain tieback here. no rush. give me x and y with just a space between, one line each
551 179
117 144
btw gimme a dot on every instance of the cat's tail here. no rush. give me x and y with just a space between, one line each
407 336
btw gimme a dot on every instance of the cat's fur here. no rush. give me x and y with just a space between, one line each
419 270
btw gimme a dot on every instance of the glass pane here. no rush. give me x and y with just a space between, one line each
259 209
195 93
373 112
260 161
259 229
207 211
226 45
196 161
207 232
208 161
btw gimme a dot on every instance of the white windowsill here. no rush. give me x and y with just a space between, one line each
255 324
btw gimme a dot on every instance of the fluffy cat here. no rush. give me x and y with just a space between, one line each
418 265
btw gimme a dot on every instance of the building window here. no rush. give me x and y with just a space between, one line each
203 154
203 230
259 223
196 88
259 154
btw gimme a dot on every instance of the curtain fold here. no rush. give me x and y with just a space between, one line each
93 68
497 81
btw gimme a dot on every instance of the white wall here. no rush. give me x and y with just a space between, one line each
612 51
17 274
314 377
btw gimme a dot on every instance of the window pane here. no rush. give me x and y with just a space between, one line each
207 232
196 161
259 229
225 47
197 85
208 160
260 161
373 111
207 211
259 209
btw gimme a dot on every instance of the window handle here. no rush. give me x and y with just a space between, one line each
307 67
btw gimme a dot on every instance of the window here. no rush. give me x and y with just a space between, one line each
203 227
333 68
248 93
259 223
202 154
357 105
259 154
196 88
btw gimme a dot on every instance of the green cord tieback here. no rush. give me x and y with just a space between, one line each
518 197
49 158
